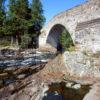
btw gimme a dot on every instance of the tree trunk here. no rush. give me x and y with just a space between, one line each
16 40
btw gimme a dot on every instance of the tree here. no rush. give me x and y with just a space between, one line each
66 40
38 18
2 16
22 9
12 8
23 16
25 41
23 19
10 23
17 21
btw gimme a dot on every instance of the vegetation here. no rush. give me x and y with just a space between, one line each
66 41
25 41
21 19
2 16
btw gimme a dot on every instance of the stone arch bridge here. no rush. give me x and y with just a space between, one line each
82 22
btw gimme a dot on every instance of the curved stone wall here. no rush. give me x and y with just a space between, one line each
71 20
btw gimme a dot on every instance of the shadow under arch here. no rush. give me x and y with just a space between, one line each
54 36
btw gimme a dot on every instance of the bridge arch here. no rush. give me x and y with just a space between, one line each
54 36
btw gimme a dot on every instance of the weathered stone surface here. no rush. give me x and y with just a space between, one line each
83 24
94 93
81 65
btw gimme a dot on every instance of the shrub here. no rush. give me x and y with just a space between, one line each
66 41
25 40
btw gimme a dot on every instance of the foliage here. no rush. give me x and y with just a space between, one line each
66 41
25 41
21 19
2 16
38 18
36 22
17 21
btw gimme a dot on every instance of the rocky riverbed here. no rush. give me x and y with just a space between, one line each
46 79
9 58
33 87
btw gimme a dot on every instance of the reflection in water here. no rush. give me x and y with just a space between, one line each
53 96
60 91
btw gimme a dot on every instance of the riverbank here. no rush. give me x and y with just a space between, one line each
43 80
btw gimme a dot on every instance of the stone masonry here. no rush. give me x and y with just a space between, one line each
83 24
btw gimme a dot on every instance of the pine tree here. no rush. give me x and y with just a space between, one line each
17 21
22 9
2 16
12 8
37 14
23 16
38 18
10 26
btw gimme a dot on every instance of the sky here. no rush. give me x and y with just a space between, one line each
53 7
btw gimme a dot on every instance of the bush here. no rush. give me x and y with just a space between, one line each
66 41
25 40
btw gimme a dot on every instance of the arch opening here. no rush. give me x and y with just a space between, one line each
55 35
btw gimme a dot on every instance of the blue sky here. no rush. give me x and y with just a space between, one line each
53 7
